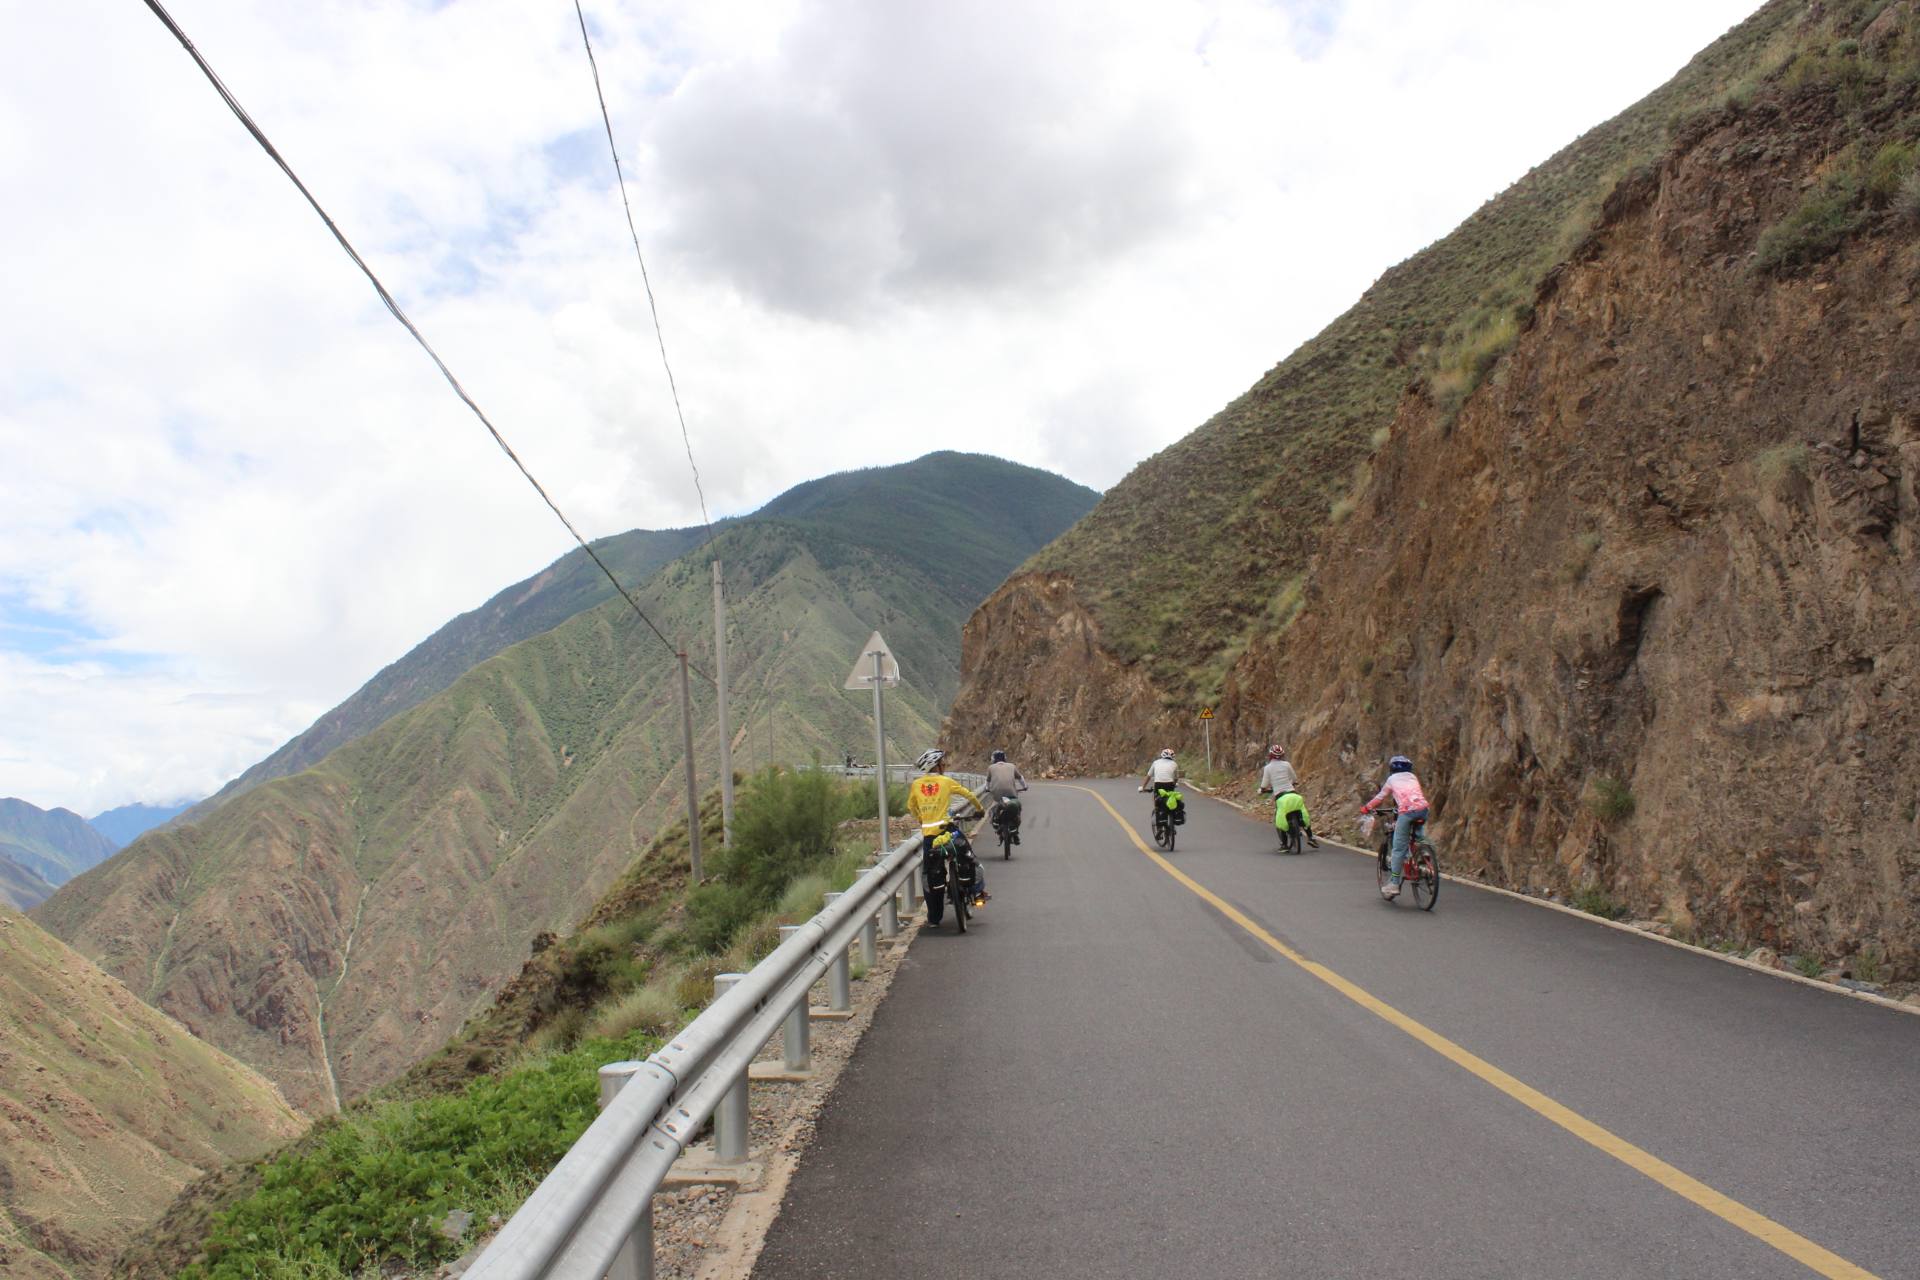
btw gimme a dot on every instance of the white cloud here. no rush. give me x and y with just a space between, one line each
1062 231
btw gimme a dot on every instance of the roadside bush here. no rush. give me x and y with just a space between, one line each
1596 901
715 912
783 826
372 1188
861 803
649 1009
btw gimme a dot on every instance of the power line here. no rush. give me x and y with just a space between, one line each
240 113
620 176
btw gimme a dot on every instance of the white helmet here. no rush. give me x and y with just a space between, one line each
930 760
1167 754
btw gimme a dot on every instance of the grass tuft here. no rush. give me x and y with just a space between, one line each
1596 901
1804 965
1608 799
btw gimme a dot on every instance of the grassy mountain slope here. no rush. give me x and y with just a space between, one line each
474 1126
1195 549
334 926
53 844
564 588
106 1109
129 822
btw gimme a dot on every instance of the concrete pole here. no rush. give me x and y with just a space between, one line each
726 727
839 975
870 943
880 749
798 1038
730 1117
635 1259
693 786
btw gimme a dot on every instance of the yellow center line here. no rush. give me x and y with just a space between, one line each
1757 1225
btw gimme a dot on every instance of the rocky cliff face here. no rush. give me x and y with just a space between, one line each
1644 607
1645 613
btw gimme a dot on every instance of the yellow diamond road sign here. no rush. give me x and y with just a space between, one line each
861 677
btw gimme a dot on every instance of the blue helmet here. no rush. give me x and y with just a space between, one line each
1399 764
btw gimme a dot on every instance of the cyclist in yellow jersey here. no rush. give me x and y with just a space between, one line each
928 799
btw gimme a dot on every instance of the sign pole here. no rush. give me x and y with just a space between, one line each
1206 730
880 747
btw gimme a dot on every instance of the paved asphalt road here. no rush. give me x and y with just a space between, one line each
1109 1076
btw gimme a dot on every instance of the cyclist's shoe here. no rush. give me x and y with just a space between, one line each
1390 890
1313 841
1016 837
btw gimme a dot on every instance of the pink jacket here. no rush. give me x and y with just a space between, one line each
1405 790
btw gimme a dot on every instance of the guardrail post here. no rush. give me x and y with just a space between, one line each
870 942
839 976
890 916
797 1040
635 1259
909 890
730 1117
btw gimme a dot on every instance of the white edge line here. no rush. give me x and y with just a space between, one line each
1744 963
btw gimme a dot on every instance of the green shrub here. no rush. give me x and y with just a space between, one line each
861 803
1890 167
802 900
784 824
1868 964
1608 799
1781 461
369 1189
649 1009
715 912
1814 231
1805 966
1596 901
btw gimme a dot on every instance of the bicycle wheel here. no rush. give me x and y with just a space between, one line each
1385 872
1006 843
1426 885
1172 831
959 905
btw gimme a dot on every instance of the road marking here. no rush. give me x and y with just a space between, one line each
1757 1225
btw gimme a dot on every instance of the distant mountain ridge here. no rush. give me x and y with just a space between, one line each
333 926
129 822
49 846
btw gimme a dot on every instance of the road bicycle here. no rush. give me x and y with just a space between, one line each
1420 874
952 875
1166 817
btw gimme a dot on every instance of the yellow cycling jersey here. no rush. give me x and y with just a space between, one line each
928 798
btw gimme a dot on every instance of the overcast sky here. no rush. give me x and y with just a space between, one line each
231 489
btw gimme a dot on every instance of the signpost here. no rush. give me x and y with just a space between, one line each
876 669
1206 728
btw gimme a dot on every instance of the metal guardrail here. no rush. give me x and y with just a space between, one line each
593 1215
900 773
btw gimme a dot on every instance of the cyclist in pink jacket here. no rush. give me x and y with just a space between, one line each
1404 790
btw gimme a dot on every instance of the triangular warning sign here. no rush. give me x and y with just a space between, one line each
862 675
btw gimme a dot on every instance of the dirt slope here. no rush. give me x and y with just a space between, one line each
107 1108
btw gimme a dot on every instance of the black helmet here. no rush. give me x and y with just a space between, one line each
999 757
1399 764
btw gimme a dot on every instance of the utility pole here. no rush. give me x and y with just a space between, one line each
693 788
726 729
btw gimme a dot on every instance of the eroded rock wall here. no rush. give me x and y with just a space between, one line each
1647 613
